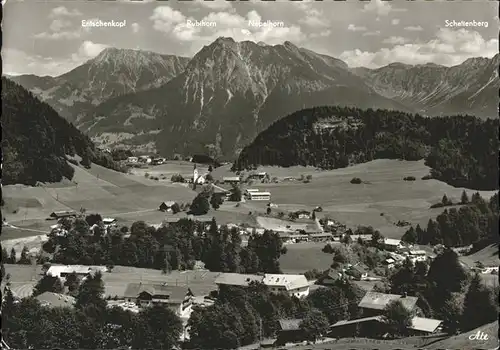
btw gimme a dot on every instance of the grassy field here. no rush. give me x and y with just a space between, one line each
380 202
305 256
127 197
385 192
488 256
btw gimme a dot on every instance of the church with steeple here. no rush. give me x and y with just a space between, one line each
197 178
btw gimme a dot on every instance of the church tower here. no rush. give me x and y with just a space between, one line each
195 174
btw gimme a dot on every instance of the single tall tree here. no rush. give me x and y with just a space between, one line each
314 325
48 284
464 199
398 318
480 307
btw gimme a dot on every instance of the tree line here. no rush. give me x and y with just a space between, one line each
176 246
476 223
461 150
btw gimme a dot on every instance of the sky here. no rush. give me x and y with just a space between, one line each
48 38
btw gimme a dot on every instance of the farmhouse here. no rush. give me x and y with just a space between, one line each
62 271
329 278
424 326
389 263
417 255
373 303
259 196
109 222
237 279
290 331
259 176
231 179
356 272
167 206
50 299
294 285
158 161
392 244
63 214
375 327
489 269
178 298
132 160
145 159
369 327
303 214
221 192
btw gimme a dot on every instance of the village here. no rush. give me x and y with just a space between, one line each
296 226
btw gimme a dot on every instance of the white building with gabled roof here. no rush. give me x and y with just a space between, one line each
294 285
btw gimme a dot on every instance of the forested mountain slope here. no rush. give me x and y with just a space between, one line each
36 140
461 150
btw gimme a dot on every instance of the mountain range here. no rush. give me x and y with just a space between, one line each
114 72
220 99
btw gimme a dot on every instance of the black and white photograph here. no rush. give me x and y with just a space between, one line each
212 174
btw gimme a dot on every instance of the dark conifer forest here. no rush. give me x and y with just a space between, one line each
460 150
36 140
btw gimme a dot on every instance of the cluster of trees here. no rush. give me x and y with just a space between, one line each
475 223
449 145
447 292
176 246
11 258
36 140
120 154
177 178
89 325
241 315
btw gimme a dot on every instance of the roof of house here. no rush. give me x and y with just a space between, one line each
358 320
259 193
303 212
56 270
417 252
378 301
290 282
290 325
425 324
231 178
108 220
200 218
63 212
218 189
174 293
55 300
168 203
391 241
237 279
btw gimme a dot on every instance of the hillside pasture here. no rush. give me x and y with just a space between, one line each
98 190
170 168
488 256
380 201
302 257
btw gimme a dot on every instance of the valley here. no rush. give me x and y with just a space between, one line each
172 185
